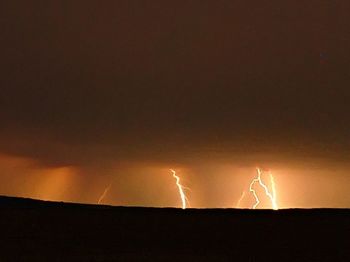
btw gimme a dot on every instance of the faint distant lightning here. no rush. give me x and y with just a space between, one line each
272 196
240 200
181 188
104 193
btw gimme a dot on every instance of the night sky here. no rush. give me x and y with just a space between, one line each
120 91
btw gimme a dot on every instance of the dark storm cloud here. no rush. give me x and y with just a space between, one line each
165 81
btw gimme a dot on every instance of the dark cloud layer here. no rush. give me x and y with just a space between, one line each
87 81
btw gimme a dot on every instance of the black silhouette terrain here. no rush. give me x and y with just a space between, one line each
32 230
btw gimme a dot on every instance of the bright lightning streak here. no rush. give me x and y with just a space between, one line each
104 194
272 196
273 186
181 188
257 201
240 200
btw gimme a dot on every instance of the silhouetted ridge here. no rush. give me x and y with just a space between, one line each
34 230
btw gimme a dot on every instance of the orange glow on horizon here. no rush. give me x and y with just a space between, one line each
213 185
55 184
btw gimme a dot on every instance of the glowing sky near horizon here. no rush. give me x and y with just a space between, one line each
151 185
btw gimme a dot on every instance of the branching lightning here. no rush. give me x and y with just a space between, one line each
271 196
181 188
104 193
251 189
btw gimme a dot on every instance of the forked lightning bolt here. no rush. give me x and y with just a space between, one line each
181 188
104 194
251 189
271 196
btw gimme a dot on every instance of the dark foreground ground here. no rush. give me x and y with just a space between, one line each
33 230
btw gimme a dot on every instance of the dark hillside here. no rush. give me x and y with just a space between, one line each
34 230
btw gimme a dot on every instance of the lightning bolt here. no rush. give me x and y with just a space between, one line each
251 189
181 188
104 193
240 199
272 196
273 186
